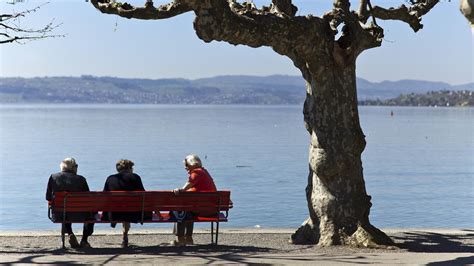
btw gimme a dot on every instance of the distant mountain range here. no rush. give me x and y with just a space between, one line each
276 89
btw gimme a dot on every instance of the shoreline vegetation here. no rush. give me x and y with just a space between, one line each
431 99
252 90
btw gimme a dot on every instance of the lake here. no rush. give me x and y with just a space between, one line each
418 163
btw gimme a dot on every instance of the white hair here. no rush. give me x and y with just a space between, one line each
68 164
193 160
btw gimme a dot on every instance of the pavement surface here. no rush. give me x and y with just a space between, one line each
236 246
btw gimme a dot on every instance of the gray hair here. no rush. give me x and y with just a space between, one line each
68 165
193 160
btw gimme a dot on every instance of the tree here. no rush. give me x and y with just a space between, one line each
11 31
337 199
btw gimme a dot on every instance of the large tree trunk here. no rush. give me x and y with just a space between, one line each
337 200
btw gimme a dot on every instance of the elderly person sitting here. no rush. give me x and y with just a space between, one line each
199 180
124 180
68 180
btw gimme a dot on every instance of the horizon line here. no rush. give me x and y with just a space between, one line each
217 76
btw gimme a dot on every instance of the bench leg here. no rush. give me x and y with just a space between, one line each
212 232
217 232
63 235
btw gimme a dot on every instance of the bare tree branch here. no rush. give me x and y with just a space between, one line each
147 12
277 26
363 12
411 15
10 31
10 39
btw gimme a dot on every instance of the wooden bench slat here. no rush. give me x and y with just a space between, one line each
164 218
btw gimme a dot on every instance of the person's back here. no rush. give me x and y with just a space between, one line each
68 180
201 180
124 180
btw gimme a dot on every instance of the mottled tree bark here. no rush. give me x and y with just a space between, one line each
337 200
338 203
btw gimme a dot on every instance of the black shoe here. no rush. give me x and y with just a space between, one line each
85 244
73 241
113 225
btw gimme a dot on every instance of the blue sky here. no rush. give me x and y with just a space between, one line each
106 45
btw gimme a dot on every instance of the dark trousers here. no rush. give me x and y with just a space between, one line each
87 230
186 228
183 228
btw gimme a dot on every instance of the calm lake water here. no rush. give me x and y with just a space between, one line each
418 164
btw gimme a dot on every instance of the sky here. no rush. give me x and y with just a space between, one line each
106 45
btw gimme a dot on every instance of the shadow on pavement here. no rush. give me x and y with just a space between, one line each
210 253
457 261
433 242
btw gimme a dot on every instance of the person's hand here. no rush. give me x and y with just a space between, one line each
176 191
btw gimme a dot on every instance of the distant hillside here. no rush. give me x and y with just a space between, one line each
276 89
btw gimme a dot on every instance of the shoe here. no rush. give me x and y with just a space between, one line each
73 241
85 244
189 240
125 242
180 241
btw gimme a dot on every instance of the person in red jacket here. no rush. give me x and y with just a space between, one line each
199 180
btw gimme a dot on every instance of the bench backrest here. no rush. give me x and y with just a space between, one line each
146 201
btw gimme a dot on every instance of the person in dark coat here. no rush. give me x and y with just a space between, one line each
124 180
69 180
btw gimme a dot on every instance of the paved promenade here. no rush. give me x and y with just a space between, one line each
240 246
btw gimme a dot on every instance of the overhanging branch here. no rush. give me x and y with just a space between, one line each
149 11
411 15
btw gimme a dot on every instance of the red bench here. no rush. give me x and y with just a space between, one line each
145 202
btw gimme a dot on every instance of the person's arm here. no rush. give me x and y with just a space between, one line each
106 185
85 186
49 189
140 186
186 186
